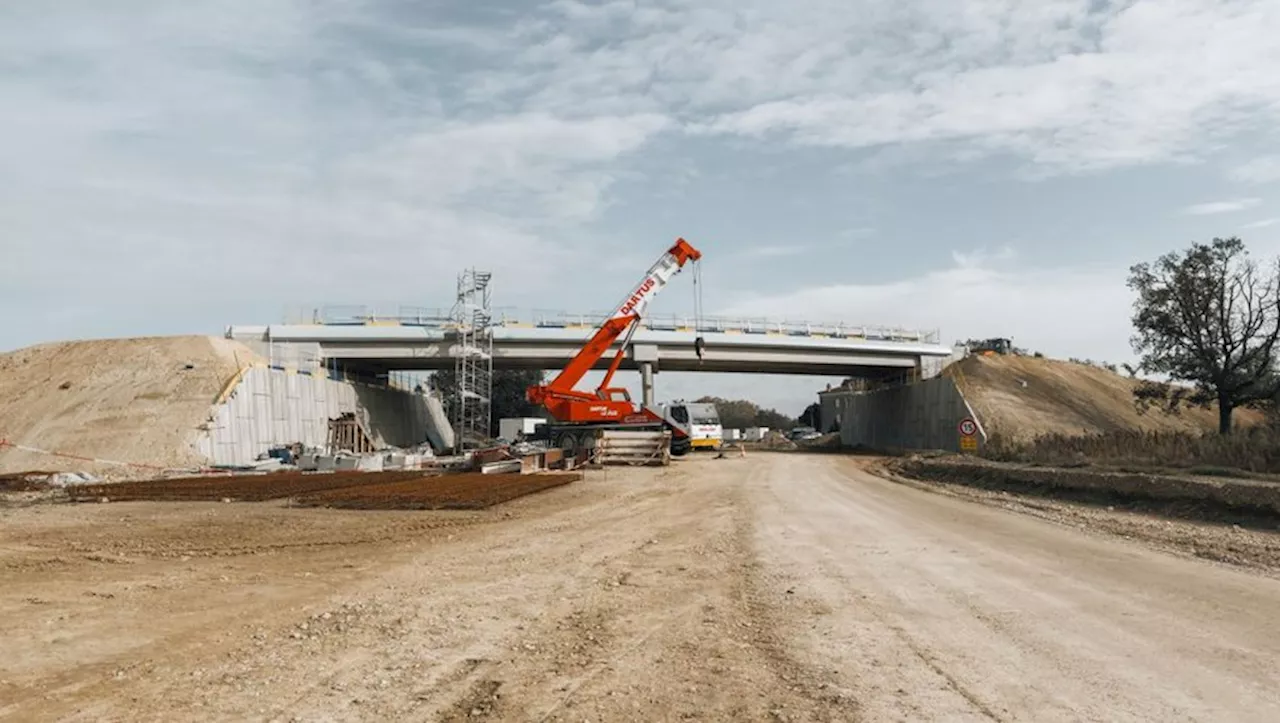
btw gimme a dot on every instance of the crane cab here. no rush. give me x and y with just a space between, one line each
701 423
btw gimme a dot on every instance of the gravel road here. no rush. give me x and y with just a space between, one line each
778 587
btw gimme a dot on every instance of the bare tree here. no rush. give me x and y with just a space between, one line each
1210 317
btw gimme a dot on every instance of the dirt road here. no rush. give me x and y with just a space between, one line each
778 587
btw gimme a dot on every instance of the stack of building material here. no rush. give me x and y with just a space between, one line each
504 467
633 448
348 434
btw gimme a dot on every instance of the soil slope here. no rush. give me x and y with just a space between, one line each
131 400
1020 397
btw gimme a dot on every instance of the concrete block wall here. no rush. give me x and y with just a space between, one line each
923 415
271 407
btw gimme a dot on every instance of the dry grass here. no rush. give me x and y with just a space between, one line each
1251 450
1022 398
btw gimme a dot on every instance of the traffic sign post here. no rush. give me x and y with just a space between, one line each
968 435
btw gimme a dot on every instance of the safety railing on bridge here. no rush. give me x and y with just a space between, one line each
740 325
511 317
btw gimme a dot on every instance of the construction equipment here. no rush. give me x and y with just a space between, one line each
702 420
581 416
990 347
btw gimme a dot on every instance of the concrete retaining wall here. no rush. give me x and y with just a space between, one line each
271 407
923 415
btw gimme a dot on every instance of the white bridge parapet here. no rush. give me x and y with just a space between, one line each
438 318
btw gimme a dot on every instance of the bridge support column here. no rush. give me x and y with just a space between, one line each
646 357
646 383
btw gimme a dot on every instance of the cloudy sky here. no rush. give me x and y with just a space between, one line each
982 167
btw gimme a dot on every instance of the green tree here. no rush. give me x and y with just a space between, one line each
740 414
1208 317
508 393
812 416
773 419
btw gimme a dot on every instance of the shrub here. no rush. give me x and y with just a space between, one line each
1255 449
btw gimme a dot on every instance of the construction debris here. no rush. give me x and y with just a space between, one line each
353 489
35 481
448 492
505 467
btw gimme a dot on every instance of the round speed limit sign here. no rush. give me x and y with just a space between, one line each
968 427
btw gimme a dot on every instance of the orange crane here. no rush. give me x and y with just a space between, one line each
579 414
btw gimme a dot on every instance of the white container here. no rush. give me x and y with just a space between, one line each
513 428
755 434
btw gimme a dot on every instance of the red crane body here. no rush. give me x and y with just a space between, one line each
611 404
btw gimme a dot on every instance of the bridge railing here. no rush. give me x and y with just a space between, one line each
741 325
439 318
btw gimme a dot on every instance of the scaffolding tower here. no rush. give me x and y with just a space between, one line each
473 364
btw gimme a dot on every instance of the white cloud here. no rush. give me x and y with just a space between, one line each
1263 169
247 154
1069 84
1080 312
532 165
775 251
856 232
982 258
1264 223
189 154
1216 207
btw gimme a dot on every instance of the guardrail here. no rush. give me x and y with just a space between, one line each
439 318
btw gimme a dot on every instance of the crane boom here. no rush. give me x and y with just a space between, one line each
607 404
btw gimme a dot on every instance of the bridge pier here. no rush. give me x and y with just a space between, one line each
646 382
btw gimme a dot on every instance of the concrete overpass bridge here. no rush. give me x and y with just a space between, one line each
429 341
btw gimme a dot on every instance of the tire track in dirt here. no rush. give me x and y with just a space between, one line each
669 627
946 610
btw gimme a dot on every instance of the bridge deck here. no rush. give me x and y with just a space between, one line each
425 347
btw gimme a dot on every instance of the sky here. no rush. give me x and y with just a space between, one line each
978 167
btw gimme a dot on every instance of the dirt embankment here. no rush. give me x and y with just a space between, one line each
1239 501
129 400
1230 520
1020 398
